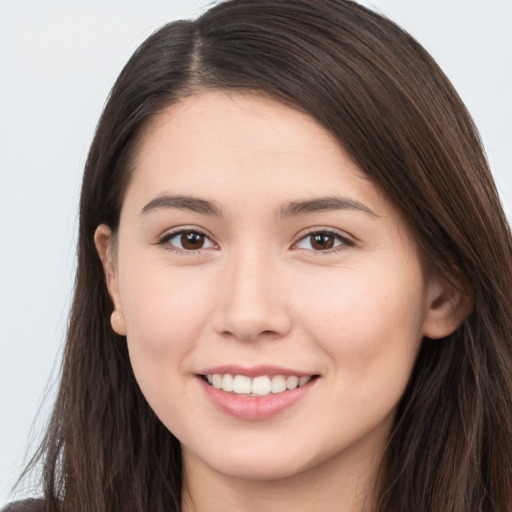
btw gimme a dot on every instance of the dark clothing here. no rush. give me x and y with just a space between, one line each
26 506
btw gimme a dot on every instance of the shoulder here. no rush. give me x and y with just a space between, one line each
33 505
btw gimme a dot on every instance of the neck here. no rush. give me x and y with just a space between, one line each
339 485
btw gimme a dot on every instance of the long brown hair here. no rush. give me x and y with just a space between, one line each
393 110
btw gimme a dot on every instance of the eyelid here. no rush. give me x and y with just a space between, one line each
347 240
171 233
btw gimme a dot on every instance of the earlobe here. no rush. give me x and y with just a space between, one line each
103 242
117 323
447 308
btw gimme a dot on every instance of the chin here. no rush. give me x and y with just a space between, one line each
267 469
258 463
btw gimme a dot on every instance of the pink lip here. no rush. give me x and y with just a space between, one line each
253 371
254 408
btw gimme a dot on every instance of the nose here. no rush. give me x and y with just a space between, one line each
253 301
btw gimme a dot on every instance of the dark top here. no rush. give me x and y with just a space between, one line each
26 506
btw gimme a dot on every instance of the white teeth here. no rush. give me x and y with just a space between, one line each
258 386
278 384
304 380
292 382
261 386
227 382
242 384
217 381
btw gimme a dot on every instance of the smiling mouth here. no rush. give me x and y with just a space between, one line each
261 385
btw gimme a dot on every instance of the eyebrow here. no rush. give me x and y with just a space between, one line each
321 204
189 203
291 209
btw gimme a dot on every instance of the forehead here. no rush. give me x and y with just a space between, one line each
249 124
220 139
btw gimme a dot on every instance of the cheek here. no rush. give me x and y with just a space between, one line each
365 320
370 328
165 313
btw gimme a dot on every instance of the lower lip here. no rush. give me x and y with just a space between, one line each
255 407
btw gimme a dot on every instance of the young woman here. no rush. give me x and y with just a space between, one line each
294 283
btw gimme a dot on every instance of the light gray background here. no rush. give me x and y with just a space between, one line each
58 60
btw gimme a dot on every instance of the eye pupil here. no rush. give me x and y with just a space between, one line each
322 241
192 240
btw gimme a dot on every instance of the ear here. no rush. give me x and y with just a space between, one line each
107 253
447 307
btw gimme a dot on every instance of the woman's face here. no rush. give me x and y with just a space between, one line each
252 252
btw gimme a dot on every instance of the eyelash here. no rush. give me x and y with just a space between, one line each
167 237
345 242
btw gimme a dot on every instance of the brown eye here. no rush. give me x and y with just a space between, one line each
192 241
188 240
323 241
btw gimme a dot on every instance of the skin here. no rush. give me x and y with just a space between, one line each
261 291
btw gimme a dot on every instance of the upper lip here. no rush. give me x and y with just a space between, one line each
254 371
